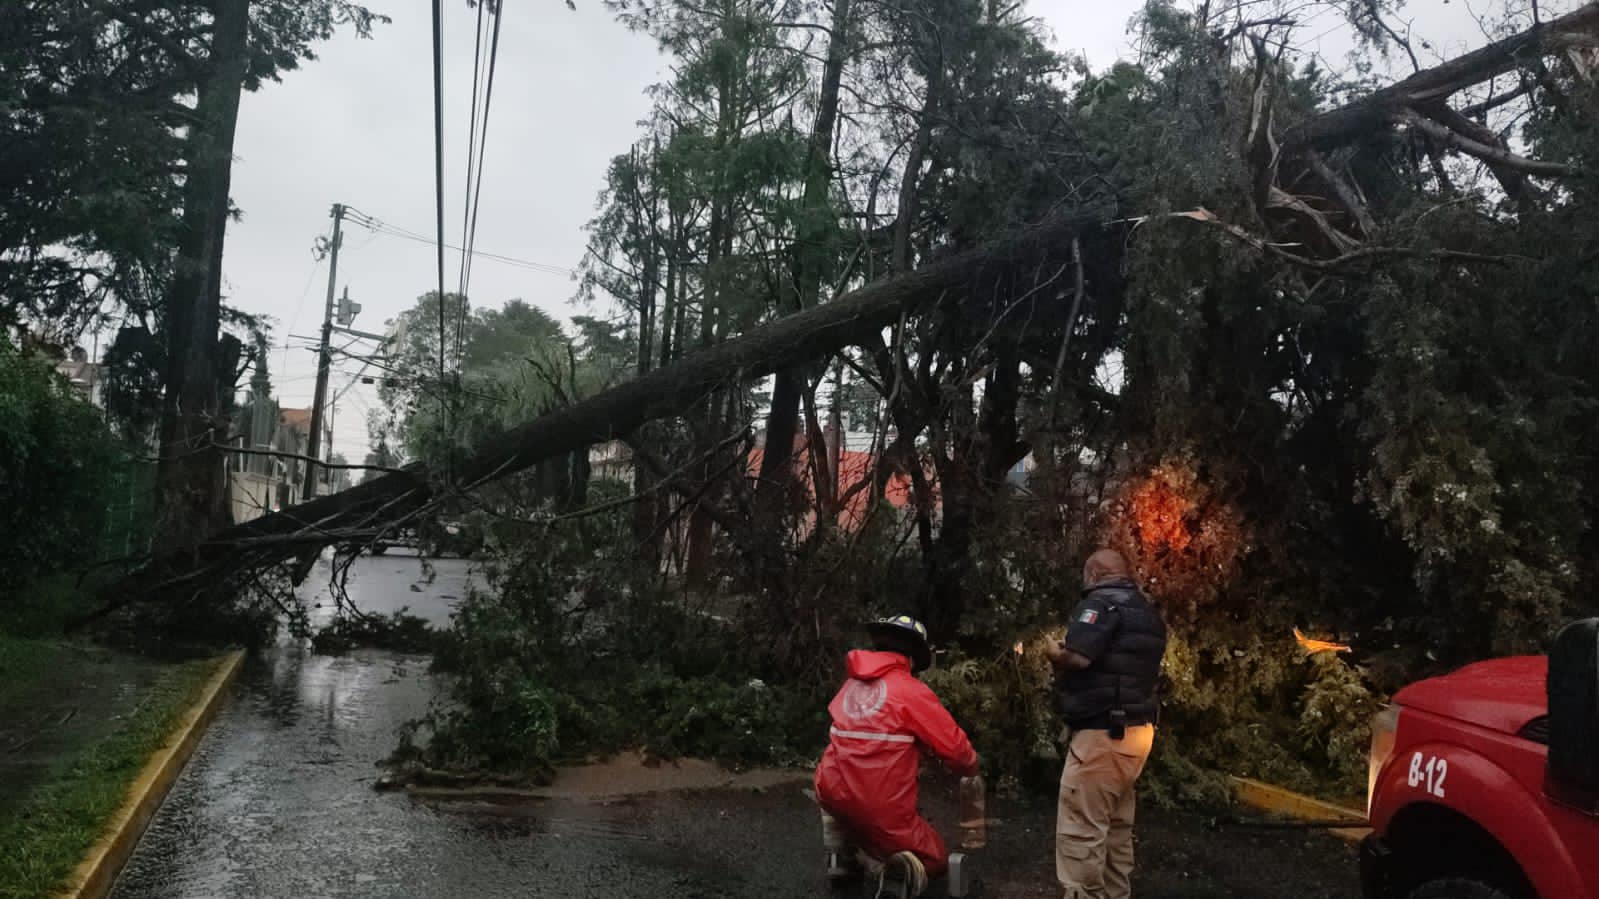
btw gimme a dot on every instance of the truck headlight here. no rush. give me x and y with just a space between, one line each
1384 727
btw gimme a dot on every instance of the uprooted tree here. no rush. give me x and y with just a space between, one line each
1313 364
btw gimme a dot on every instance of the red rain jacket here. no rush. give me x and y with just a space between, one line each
883 719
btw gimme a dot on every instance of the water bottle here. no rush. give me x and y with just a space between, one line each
974 812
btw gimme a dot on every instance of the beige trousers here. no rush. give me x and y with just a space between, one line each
1094 826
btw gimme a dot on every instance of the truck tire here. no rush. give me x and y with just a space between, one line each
1457 888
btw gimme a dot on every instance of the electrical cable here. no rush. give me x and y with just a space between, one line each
383 227
471 143
438 157
482 150
299 306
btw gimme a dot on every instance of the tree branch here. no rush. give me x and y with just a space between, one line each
1491 155
317 462
1333 265
1437 84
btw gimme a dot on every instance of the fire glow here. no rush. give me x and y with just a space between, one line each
1313 646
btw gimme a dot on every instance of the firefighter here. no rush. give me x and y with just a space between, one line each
1108 669
867 783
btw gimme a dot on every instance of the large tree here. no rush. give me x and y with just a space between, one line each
1305 354
119 121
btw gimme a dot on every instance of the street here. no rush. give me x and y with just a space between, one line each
279 802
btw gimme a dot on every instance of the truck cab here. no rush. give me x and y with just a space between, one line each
1484 783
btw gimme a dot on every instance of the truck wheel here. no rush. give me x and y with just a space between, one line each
1456 888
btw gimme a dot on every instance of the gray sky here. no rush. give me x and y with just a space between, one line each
356 127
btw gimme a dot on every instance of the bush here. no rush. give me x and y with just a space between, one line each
625 662
579 651
58 460
1006 707
1266 712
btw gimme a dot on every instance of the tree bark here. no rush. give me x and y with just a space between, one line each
647 218
810 256
910 185
191 486
719 246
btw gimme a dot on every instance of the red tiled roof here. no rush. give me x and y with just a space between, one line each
299 419
854 467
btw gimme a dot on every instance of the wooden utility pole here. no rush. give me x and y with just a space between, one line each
324 357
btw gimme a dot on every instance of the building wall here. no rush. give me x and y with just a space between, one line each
251 494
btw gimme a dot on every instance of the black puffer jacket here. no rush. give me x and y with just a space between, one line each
1121 631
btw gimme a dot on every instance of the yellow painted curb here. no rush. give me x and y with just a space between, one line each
1297 806
98 871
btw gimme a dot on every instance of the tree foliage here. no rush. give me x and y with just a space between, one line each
1331 373
1336 388
94 102
58 461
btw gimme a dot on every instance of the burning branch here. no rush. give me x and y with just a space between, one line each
1312 646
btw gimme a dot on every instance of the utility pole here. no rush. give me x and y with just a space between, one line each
324 358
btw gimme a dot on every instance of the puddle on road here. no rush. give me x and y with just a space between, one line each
619 799
631 774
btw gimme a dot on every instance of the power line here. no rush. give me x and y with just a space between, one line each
299 306
438 156
482 151
374 224
471 141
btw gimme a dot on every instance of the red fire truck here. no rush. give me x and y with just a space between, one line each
1484 783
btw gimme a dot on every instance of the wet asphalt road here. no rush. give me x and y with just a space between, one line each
279 802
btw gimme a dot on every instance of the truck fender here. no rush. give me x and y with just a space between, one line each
1477 788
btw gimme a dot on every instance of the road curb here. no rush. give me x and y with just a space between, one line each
1299 807
98 871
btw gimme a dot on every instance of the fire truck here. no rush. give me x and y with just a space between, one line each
1484 783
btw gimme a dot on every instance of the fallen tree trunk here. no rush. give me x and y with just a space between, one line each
383 502
1439 83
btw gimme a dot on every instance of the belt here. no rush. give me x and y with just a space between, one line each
1102 722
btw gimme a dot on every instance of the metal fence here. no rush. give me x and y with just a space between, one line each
130 511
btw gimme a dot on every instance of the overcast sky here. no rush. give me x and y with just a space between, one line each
356 127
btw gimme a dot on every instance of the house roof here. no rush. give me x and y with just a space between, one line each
854 468
298 419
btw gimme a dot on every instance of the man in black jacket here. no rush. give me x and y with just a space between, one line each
1108 669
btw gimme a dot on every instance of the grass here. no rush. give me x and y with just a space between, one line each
22 661
43 607
54 828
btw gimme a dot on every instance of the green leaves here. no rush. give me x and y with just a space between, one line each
95 101
58 461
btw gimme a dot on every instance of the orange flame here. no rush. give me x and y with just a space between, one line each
1313 646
